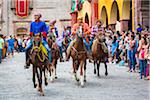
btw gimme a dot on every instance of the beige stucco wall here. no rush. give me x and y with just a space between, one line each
50 9
86 9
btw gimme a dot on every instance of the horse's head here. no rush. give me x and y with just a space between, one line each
36 43
50 41
80 35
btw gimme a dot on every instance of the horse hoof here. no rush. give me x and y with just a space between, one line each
35 85
52 80
56 77
46 83
41 94
39 89
94 71
84 80
106 74
82 85
77 80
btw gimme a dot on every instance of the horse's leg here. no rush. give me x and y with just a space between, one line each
106 72
95 66
40 83
39 76
85 71
45 76
82 73
33 79
74 71
98 65
50 74
55 69
53 73
65 53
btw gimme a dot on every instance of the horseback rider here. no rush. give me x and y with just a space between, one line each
51 32
98 33
38 27
66 35
53 29
66 32
79 28
96 28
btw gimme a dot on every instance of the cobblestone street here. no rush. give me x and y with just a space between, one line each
16 83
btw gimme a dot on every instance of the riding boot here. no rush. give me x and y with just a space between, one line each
61 54
50 56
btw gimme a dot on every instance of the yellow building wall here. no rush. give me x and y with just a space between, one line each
86 9
133 15
108 5
123 7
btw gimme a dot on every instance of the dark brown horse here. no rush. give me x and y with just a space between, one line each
55 55
99 55
79 56
40 63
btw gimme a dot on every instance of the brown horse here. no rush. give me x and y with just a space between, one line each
40 63
55 55
99 55
79 56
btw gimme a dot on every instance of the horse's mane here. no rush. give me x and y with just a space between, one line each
79 45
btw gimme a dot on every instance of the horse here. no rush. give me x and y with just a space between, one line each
79 56
98 55
40 63
55 54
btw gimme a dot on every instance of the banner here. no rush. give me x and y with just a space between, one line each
22 8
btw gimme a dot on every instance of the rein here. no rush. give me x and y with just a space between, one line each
42 58
78 52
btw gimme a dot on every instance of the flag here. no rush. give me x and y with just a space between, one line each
22 8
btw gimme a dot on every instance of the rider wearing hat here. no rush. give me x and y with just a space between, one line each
98 33
38 27
96 28
79 28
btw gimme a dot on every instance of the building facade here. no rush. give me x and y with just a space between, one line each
122 15
50 10
81 8
1 19
141 12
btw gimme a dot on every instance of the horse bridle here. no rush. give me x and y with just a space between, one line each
78 52
38 37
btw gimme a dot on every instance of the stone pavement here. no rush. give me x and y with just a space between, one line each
16 83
